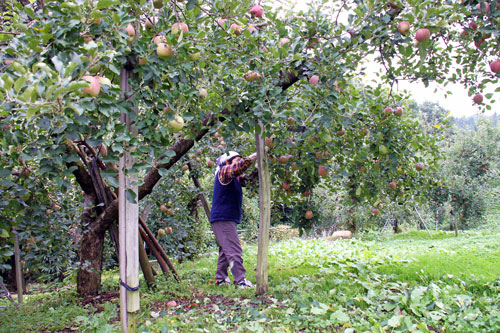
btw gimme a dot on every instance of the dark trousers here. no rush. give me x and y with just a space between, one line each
230 252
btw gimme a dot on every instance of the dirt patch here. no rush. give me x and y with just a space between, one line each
98 300
212 303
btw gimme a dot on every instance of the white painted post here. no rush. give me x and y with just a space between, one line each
265 213
128 228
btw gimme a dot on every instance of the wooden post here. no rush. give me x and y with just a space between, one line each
19 277
128 217
147 270
265 212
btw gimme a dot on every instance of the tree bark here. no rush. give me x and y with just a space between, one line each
90 257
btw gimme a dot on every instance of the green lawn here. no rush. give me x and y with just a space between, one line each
373 283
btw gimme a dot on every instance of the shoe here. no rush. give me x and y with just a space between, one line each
224 282
244 284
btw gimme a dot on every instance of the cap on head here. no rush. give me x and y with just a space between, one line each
221 161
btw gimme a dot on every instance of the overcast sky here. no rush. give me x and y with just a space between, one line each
459 103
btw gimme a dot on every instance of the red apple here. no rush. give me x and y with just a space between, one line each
309 215
375 211
270 142
164 50
398 111
495 66
295 166
283 159
284 41
203 93
168 230
387 111
210 163
131 32
170 211
341 132
290 121
478 98
185 167
478 42
403 27
94 88
392 185
256 11
178 27
419 166
322 171
171 304
422 35
221 21
159 39
235 28
163 208
314 80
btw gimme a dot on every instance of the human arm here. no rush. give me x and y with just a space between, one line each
228 172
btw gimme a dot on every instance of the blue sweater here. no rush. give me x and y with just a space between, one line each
226 201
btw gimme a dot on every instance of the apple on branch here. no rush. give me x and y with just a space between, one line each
313 80
94 88
178 27
284 41
256 11
163 50
131 32
478 98
422 35
235 28
403 27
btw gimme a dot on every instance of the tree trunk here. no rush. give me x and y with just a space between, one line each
396 225
90 256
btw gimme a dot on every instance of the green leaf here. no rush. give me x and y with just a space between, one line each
103 4
4 233
19 83
340 316
72 65
395 321
31 112
191 3
8 82
131 195
76 85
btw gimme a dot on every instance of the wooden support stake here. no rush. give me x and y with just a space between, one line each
155 251
128 217
265 212
19 276
202 198
159 248
145 265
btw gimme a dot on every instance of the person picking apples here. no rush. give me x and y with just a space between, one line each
227 200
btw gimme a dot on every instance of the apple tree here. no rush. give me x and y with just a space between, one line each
199 66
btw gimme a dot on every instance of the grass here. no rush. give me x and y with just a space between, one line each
373 283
